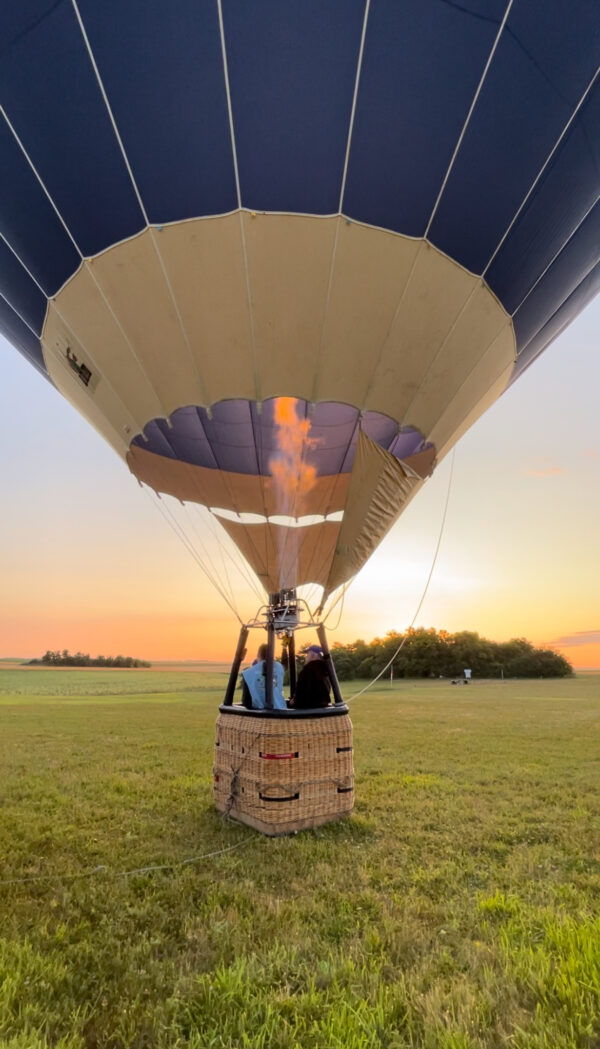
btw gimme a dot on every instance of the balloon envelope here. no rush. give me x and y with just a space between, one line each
383 211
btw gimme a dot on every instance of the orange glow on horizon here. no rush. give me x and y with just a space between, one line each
154 637
174 637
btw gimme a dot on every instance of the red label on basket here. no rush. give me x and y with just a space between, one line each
277 757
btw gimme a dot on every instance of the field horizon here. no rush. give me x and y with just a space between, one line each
186 665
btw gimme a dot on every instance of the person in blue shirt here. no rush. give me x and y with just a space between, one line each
253 683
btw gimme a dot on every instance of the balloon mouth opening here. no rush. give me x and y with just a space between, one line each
303 492
244 437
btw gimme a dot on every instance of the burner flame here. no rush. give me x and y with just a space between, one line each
293 476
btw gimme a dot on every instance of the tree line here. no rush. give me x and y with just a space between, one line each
429 653
82 659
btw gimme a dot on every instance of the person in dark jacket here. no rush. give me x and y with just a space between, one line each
313 687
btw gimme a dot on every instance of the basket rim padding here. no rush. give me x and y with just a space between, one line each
335 710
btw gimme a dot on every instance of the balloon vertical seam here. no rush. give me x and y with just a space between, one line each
354 99
468 118
41 182
542 169
553 260
138 195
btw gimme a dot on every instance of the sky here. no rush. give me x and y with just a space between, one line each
87 561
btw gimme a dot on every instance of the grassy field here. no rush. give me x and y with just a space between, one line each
459 907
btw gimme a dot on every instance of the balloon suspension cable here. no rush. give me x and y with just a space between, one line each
355 695
231 552
227 548
307 599
201 545
177 529
340 596
340 599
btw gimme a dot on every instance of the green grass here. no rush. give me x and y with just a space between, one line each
81 684
459 907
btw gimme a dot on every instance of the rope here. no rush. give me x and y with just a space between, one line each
355 695
210 522
340 597
235 775
230 549
226 579
177 529
201 558
127 874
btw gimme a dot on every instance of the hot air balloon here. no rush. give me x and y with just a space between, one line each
283 254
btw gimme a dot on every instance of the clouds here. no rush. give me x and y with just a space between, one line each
542 466
580 637
547 471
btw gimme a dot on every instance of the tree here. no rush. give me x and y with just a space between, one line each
83 659
426 652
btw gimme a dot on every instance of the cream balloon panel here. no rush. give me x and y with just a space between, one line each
205 263
463 411
99 404
135 283
367 283
246 306
477 350
289 265
83 315
426 337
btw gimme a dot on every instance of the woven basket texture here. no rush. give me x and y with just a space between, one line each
281 775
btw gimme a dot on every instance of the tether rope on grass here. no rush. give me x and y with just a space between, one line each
176 527
102 869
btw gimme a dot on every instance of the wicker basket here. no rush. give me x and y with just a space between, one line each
280 772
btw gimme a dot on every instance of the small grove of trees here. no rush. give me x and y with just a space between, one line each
82 659
436 653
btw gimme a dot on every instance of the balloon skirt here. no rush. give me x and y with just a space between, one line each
283 774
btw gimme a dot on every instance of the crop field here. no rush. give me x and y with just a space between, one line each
458 908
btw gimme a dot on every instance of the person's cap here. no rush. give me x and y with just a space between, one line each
316 649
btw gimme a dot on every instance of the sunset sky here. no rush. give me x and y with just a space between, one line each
86 562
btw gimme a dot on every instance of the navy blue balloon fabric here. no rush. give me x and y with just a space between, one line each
422 64
476 124
165 85
292 69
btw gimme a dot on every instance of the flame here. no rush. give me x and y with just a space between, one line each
293 476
